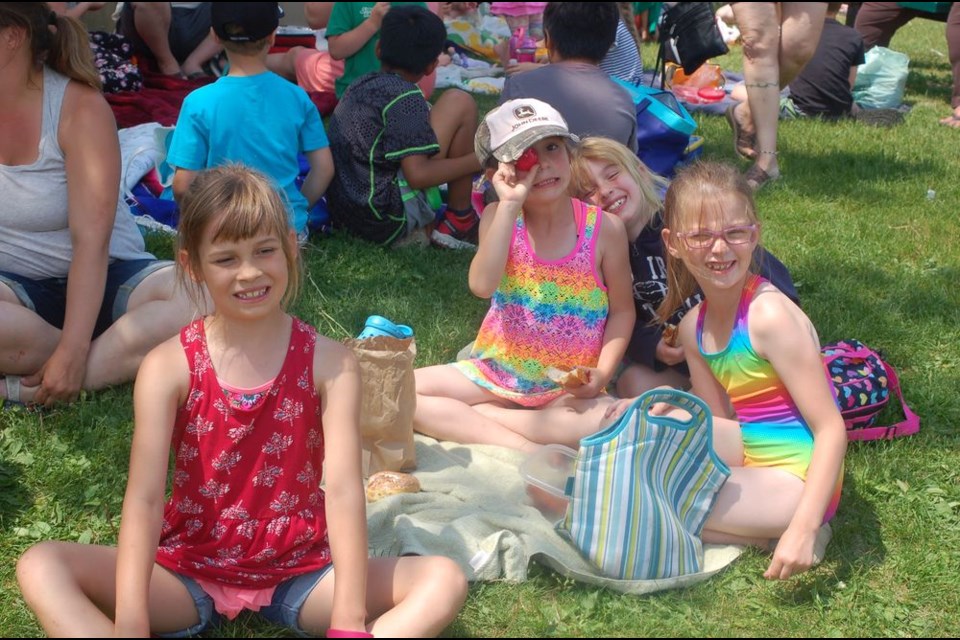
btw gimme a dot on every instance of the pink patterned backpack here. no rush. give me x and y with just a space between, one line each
862 382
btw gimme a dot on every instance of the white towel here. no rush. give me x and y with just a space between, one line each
474 509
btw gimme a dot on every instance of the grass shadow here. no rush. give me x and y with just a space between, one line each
14 498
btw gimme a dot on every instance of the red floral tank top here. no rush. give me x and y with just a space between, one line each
246 507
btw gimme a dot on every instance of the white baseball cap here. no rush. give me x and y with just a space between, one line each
507 131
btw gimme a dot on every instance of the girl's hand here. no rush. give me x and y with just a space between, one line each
512 185
793 554
594 386
669 355
616 409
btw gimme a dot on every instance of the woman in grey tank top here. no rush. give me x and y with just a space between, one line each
81 302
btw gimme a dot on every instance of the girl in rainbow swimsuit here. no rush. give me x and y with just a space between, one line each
754 356
558 275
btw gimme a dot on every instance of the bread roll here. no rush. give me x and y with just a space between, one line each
670 334
576 377
388 483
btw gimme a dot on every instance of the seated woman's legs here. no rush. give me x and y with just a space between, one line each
157 309
152 23
178 38
26 340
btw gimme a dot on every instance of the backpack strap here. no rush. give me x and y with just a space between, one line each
907 427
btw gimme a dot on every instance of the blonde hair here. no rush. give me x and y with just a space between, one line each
65 48
695 190
606 150
242 203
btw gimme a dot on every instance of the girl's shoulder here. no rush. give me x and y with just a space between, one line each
166 367
612 228
331 358
772 315
768 302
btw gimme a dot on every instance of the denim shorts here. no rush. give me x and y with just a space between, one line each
48 297
283 610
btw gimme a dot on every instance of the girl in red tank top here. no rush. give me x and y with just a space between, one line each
257 409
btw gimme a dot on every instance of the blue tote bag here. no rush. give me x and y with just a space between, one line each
664 127
642 489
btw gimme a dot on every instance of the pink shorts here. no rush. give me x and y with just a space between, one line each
317 70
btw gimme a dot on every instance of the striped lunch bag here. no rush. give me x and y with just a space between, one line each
642 489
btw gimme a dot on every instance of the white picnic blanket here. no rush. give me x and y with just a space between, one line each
473 508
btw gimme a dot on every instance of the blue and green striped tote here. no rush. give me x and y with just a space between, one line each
643 487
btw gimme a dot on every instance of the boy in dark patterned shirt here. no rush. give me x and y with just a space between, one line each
390 148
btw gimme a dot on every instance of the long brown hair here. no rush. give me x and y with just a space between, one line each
57 41
695 190
242 203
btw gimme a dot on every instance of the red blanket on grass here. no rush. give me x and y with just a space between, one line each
162 96
158 101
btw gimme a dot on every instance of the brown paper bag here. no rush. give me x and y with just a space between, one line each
387 402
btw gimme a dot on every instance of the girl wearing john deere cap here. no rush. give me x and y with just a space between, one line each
558 276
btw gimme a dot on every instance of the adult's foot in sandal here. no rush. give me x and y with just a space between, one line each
13 394
756 177
744 142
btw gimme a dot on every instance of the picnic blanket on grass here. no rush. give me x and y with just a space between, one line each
158 101
474 509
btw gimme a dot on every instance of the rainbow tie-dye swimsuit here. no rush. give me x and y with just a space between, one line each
773 430
543 314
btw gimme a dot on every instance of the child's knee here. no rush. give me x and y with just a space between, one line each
447 579
460 103
33 566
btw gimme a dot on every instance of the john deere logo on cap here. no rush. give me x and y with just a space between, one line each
524 111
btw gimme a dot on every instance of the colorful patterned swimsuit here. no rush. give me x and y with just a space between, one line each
543 314
773 430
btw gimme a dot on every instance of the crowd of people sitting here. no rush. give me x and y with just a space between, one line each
590 262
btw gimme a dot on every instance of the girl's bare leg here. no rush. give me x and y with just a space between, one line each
72 588
409 597
446 410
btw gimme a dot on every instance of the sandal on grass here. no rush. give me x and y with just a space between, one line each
756 177
11 396
743 143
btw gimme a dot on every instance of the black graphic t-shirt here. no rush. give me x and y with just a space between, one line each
380 120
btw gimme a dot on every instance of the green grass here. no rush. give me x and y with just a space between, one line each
873 259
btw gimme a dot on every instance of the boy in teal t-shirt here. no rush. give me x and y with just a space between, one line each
252 116
352 34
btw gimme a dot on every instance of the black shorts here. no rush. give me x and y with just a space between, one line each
48 297
188 28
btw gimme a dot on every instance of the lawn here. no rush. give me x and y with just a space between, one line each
874 259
